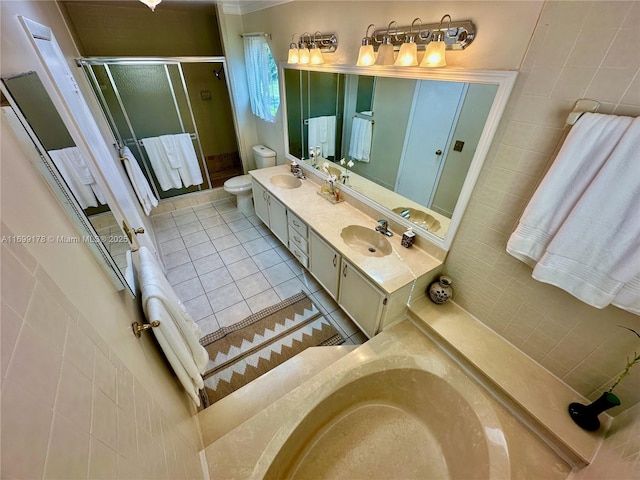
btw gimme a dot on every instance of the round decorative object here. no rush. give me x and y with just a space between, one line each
440 291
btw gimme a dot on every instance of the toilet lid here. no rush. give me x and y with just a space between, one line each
238 182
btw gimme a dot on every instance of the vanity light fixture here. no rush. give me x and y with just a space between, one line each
435 54
366 55
385 52
293 51
408 54
432 38
310 49
152 4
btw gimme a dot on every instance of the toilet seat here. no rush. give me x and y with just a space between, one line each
241 183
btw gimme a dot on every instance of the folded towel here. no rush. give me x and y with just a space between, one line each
77 176
145 195
360 143
168 177
584 152
177 334
171 151
595 253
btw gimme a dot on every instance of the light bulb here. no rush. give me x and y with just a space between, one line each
293 54
152 4
304 56
315 55
366 56
434 56
408 55
385 52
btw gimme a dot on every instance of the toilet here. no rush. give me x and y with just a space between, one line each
240 186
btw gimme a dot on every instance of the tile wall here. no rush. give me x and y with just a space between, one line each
70 407
578 50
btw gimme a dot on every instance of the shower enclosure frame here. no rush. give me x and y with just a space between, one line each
86 62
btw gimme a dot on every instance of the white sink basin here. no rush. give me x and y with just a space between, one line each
285 181
366 241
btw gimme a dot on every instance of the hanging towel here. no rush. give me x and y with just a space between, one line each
139 182
77 176
584 152
178 334
596 252
360 144
322 133
189 167
168 176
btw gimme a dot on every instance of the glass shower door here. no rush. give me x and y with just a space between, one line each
143 101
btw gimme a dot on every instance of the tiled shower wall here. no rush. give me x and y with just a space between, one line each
70 407
578 50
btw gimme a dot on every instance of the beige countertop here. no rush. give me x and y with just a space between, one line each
390 273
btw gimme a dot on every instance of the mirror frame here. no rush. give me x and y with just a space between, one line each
503 79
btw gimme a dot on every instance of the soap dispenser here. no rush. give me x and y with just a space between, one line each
408 238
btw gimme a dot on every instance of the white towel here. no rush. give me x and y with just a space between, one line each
168 177
360 143
595 254
77 176
139 182
177 334
322 133
189 168
584 152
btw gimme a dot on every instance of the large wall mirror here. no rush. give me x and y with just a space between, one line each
33 117
417 138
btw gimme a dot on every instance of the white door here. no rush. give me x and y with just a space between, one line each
100 157
362 301
436 106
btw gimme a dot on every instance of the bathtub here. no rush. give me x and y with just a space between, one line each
397 407
396 423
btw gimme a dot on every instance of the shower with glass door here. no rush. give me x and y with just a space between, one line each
151 98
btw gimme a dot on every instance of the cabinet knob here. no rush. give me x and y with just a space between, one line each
344 271
335 261
438 152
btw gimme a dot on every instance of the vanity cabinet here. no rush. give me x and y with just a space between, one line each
362 301
271 211
355 294
324 263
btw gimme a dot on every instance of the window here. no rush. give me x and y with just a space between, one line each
262 76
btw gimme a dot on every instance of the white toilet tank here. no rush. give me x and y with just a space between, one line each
264 157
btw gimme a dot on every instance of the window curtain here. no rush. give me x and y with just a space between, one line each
262 76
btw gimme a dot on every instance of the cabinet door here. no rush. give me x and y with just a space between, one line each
324 264
260 202
360 299
278 219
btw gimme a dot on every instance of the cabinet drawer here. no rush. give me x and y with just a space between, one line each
298 225
296 238
302 258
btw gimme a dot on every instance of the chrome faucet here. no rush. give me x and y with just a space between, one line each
383 228
297 172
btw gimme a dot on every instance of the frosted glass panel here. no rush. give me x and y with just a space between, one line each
147 98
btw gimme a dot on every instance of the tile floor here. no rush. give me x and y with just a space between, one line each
225 266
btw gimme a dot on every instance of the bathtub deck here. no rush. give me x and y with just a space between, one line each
247 451
539 396
236 408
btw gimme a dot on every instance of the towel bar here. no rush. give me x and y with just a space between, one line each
582 106
138 328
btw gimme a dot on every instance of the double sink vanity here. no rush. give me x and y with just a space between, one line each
371 276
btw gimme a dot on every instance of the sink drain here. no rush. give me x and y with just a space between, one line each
372 250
